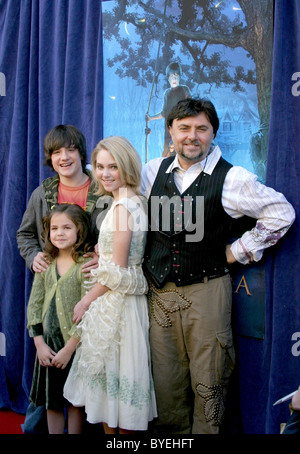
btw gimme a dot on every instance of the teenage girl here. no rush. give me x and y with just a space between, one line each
55 292
111 372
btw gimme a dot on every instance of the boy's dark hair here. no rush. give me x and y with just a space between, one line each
173 68
64 136
81 220
191 108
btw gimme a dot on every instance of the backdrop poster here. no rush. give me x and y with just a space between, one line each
223 51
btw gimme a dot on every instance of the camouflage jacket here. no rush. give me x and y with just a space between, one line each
42 199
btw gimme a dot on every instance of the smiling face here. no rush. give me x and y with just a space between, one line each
66 161
192 138
107 172
63 232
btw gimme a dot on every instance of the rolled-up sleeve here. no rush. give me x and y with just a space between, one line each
242 195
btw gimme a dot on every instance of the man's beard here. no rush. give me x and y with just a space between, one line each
203 152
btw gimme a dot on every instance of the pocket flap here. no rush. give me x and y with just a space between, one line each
225 338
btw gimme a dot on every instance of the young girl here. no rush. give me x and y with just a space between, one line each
53 296
111 374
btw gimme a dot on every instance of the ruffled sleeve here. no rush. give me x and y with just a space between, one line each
130 281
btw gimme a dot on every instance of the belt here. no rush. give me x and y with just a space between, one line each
191 281
206 278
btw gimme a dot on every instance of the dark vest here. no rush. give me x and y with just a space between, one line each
175 252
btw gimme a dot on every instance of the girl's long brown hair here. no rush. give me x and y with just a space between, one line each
82 222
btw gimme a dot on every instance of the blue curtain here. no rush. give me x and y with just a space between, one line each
51 73
270 369
283 173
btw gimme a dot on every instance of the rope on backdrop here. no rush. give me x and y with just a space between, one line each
147 130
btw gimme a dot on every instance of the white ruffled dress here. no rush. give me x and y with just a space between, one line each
111 372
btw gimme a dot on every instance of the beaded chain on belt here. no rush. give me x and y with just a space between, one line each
164 302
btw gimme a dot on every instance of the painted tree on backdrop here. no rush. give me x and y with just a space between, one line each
194 26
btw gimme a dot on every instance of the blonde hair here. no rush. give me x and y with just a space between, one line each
127 159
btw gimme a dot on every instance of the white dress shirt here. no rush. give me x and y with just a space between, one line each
242 195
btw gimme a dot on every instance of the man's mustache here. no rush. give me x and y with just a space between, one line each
192 142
